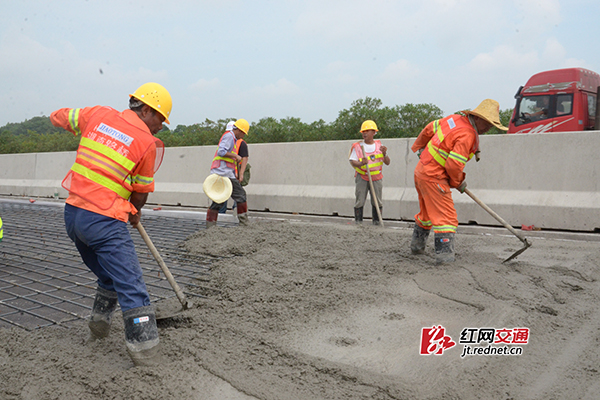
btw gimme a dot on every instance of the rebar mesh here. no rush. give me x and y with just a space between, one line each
44 282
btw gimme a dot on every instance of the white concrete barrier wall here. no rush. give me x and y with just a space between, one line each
548 180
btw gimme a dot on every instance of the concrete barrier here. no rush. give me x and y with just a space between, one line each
547 180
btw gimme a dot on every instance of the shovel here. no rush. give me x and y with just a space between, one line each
372 188
504 223
167 310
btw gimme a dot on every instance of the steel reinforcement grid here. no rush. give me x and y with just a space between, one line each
44 282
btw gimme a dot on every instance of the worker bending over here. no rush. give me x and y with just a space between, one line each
225 164
376 156
108 185
444 147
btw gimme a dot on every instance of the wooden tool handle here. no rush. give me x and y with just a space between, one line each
496 216
371 186
163 266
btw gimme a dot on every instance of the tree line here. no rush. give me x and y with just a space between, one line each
38 135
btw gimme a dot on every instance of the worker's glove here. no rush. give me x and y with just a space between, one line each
477 156
462 187
419 153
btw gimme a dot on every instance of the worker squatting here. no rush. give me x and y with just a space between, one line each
119 155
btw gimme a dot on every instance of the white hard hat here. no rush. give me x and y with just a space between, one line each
217 188
229 126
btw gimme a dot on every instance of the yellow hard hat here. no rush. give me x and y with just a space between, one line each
368 125
242 125
156 96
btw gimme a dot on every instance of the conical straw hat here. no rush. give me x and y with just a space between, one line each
217 188
490 111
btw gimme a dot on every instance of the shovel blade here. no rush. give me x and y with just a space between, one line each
169 308
518 252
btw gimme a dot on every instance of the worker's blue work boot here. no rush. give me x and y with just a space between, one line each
141 336
419 240
444 247
103 309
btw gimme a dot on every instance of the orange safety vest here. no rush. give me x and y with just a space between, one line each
375 162
109 150
229 162
236 150
437 148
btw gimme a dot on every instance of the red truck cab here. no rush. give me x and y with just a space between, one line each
561 100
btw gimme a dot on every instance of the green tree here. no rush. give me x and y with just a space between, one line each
347 125
414 117
41 125
39 135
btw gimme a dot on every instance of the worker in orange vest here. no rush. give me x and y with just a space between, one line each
225 164
242 168
444 146
108 185
376 156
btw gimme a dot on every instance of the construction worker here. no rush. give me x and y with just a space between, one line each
225 164
108 185
376 156
444 147
241 148
1 230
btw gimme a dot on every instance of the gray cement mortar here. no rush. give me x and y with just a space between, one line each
313 310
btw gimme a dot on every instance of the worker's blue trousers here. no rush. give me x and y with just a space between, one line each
106 248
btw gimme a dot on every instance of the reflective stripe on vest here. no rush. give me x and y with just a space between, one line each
433 147
101 180
113 164
110 149
230 162
236 150
375 165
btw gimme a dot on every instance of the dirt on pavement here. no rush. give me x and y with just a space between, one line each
298 310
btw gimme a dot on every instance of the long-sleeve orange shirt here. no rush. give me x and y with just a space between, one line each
142 176
459 141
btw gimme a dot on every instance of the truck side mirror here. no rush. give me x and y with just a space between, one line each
518 94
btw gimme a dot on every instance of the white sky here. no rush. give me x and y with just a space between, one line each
289 58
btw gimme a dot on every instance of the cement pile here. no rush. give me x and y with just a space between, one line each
310 311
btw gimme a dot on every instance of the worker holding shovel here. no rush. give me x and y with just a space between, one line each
444 147
375 155
108 185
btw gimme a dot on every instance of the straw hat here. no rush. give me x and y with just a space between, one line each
490 111
217 188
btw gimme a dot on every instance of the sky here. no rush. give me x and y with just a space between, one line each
308 59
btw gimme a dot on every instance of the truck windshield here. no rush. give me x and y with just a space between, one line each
533 108
537 108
